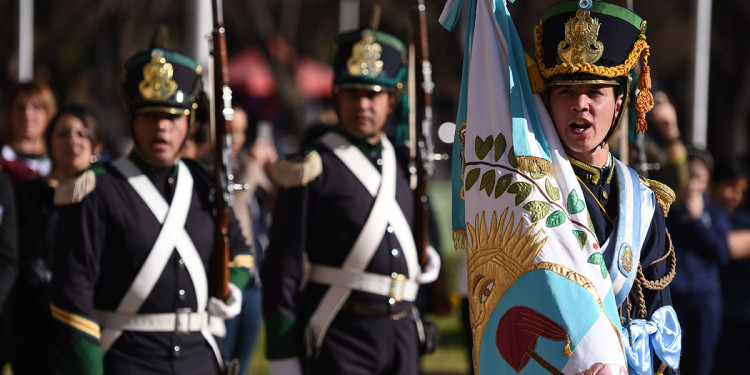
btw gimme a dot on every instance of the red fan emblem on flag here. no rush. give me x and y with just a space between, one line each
517 335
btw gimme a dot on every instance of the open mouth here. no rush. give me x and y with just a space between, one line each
159 143
580 126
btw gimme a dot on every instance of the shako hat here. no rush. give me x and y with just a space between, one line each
163 81
369 59
594 42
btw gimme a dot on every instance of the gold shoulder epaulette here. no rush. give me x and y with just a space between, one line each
75 188
297 169
664 194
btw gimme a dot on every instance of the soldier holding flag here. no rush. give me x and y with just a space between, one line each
569 261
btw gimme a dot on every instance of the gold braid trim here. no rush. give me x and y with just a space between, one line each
665 196
644 100
637 293
641 282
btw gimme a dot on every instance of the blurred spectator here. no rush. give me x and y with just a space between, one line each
24 153
73 141
728 186
664 147
8 259
252 208
699 228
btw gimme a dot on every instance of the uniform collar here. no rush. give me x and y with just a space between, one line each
367 148
147 168
592 175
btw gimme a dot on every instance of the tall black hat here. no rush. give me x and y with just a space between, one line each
163 81
369 59
586 41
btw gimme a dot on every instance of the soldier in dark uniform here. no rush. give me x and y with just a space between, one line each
129 289
586 70
341 272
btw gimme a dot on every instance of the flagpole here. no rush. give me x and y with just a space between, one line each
701 72
25 40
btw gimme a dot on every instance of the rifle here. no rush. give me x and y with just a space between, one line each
221 114
423 155
420 137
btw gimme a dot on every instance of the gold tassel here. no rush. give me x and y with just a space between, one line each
535 77
644 100
566 349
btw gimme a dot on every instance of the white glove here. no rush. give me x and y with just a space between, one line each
227 309
286 366
431 270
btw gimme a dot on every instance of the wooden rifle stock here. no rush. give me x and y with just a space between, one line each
221 114
422 138
423 154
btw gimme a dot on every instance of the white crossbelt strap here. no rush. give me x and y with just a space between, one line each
385 211
172 236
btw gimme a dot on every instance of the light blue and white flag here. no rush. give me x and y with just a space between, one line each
540 295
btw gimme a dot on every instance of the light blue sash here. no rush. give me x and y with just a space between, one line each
622 250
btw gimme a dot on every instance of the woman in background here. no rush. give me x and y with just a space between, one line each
73 141
28 109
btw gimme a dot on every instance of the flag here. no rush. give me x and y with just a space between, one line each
541 300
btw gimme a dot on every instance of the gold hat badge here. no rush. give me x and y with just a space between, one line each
365 60
580 45
157 83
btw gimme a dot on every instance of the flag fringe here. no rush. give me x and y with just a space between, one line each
534 164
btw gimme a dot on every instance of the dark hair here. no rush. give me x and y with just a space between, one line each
702 156
82 112
729 169
37 90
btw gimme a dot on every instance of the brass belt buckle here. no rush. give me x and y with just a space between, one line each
397 281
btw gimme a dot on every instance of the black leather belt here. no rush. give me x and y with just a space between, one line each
359 309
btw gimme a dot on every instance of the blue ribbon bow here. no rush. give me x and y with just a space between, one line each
661 333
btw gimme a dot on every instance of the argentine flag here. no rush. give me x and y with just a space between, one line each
540 295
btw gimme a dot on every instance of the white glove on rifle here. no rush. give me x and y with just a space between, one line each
227 309
431 270
287 366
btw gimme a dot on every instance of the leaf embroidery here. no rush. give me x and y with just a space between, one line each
482 147
536 174
522 191
512 158
581 236
598 259
575 205
554 192
556 218
472 177
538 210
499 146
502 183
488 181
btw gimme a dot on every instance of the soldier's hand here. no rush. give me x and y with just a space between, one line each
229 308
